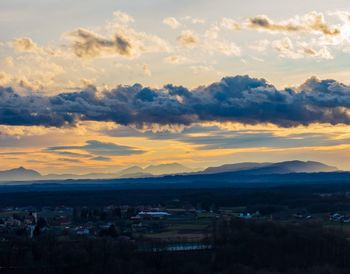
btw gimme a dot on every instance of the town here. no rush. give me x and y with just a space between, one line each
182 223
174 229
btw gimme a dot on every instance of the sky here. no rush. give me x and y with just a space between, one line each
97 86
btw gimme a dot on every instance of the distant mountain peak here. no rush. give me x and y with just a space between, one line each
19 174
130 170
166 165
167 168
293 166
161 169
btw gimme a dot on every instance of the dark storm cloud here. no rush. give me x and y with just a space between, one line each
236 99
101 148
29 110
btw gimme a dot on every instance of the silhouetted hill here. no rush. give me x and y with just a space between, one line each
292 167
136 175
173 168
234 167
130 170
78 177
19 174
272 168
163 169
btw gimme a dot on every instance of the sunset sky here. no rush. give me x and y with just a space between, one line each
99 85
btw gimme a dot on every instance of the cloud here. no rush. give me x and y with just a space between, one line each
223 139
35 69
214 136
260 45
194 20
146 70
101 159
30 85
69 153
286 49
118 39
89 44
28 110
213 44
177 59
323 53
230 24
25 44
201 69
8 61
310 22
233 99
69 160
4 78
122 17
188 39
100 148
174 23
171 22
223 47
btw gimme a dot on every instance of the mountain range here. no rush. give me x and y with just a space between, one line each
248 168
23 174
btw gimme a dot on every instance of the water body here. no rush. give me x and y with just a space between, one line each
173 247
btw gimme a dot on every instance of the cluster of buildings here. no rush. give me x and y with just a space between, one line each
111 220
340 218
